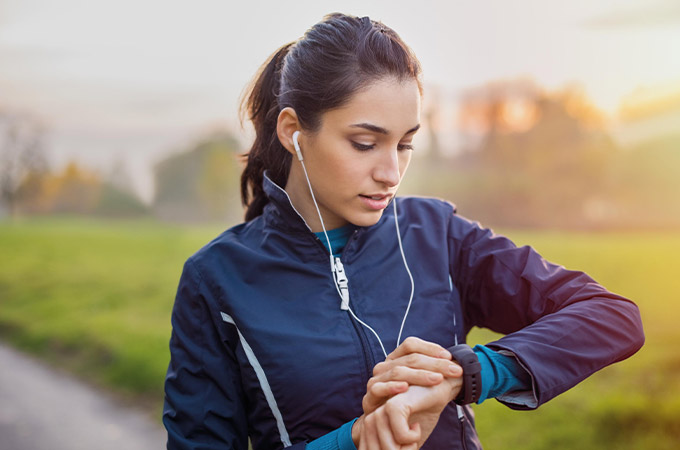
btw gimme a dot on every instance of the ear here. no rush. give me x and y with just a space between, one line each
287 124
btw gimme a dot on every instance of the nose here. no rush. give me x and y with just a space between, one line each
387 168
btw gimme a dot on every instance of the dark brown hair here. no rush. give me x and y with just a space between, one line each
320 71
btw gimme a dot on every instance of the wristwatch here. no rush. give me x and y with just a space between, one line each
472 374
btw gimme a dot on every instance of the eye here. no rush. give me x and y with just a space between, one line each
362 147
405 147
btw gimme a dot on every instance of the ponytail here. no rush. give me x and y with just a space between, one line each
261 105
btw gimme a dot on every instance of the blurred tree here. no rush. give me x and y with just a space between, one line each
501 106
117 196
535 158
538 159
21 152
75 190
114 202
32 196
200 184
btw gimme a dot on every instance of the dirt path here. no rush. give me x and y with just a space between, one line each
43 409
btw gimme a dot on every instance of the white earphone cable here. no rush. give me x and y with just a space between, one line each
332 262
323 226
372 330
403 257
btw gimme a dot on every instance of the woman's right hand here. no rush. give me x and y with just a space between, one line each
406 420
414 363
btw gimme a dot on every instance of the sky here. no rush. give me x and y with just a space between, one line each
129 81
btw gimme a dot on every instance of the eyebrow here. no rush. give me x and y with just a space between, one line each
381 130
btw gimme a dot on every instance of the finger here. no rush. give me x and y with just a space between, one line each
379 392
456 385
398 415
416 361
413 344
369 436
414 446
388 388
385 432
409 375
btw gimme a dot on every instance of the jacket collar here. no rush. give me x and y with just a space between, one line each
280 210
281 213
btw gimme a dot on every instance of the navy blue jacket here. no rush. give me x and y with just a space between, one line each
260 347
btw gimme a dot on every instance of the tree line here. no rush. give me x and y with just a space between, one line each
549 159
530 158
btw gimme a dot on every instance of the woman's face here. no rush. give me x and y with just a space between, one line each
358 157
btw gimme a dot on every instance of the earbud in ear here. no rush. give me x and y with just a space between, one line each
297 145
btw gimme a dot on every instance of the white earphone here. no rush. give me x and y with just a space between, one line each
297 145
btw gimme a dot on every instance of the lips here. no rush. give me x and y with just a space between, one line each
376 196
375 202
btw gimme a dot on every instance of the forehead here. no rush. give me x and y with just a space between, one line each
389 103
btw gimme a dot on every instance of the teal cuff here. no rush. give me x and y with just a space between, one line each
345 441
500 374
340 439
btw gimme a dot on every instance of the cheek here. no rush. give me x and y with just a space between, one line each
351 167
331 165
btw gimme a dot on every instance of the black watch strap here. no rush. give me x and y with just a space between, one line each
472 374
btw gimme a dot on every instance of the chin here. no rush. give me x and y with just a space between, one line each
366 220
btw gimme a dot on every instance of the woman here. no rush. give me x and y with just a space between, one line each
290 329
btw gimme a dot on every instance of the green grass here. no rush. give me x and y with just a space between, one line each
96 297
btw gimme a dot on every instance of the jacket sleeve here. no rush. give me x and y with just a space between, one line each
204 405
560 324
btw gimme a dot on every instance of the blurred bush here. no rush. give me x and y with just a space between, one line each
75 190
200 184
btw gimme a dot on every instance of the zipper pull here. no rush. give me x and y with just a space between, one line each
341 278
461 414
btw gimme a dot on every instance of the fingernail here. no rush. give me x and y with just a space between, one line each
434 376
454 369
445 354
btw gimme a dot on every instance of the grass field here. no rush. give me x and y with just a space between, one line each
95 297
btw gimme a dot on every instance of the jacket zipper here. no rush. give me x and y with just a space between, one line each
368 357
343 283
461 418
344 305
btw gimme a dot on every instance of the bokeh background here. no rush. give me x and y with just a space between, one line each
556 123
